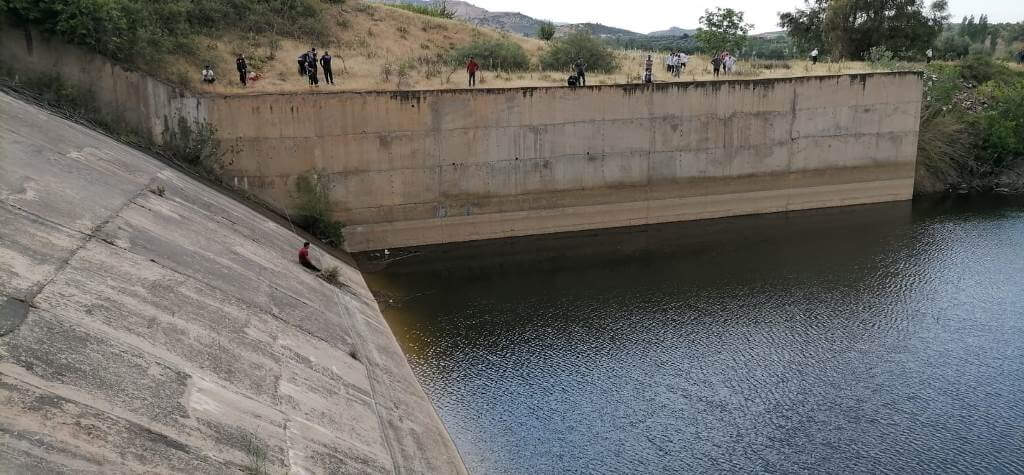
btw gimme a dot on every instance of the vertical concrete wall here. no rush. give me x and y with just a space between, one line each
141 102
425 167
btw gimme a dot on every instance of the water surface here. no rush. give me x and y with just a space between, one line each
884 338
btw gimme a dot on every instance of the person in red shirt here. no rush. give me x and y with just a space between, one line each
304 258
471 68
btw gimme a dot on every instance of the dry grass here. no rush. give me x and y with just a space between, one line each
371 40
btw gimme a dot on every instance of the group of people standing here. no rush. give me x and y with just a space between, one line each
309 64
724 62
676 63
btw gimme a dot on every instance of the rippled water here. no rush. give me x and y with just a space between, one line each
885 338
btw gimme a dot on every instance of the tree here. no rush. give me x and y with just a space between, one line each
850 28
722 30
546 31
560 54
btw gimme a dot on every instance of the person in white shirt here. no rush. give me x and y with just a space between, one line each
208 76
730 63
814 56
683 59
928 56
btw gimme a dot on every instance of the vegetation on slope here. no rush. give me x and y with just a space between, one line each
144 33
972 128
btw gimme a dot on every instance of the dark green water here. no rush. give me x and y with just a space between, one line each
885 338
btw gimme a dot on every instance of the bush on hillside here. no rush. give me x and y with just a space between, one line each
563 52
1001 122
496 54
982 68
437 11
546 31
142 32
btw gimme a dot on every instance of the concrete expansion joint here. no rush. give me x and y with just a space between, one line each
89 237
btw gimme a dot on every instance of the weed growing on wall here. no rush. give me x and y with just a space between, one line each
195 145
313 209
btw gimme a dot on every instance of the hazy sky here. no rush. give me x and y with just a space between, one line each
650 15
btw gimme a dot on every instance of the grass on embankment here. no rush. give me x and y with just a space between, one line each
972 128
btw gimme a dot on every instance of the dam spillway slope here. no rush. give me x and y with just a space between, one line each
149 323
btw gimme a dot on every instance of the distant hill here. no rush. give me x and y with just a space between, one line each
596 29
515 22
674 31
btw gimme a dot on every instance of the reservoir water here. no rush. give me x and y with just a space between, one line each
883 338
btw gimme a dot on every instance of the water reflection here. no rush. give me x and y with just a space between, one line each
877 338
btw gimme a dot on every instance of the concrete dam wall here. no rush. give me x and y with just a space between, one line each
151 324
426 167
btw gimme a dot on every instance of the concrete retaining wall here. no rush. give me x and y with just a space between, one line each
425 167
141 102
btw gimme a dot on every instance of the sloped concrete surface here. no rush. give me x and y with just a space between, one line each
147 333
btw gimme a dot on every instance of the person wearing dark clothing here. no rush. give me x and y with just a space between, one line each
303 58
311 69
304 258
243 69
471 68
716 64
581 72
325 63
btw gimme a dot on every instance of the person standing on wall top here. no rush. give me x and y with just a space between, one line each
581 71
649 70
304 258
311 68
928 56
243 69
325 62
683 59
729 64
814 56
303 58
716 64
471 68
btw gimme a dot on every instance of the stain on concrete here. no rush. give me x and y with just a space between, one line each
12 314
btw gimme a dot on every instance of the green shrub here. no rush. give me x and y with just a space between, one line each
982 68
1001 123
143 32
563 52
497 54
944 151
313 208
195 145
437 11
546 31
